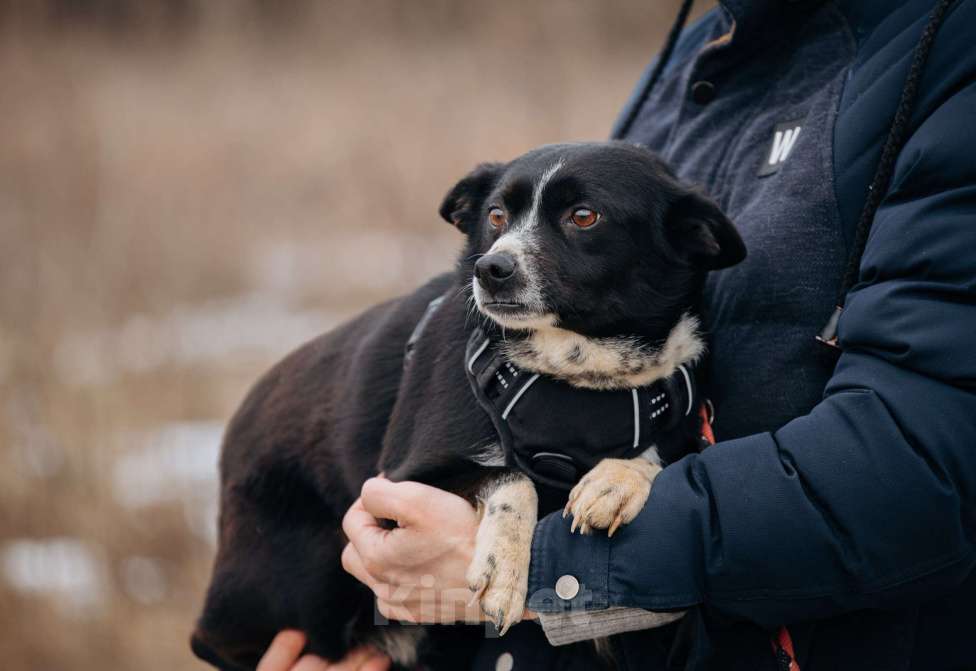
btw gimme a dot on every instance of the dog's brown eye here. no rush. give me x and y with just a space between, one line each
584 218
497 218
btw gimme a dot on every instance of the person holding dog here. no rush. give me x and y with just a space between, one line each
833 525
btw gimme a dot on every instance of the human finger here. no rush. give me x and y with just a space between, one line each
409 503
363 531
363 658
352 563
394 611
378 662
313 663
385 499
285 648
353 661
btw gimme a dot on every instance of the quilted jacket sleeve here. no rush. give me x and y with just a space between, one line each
869 500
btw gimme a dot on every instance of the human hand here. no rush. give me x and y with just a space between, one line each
283 655
417 570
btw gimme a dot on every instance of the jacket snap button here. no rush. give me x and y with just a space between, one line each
505 662
567 587
703 92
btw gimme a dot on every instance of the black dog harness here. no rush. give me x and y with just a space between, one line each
555 432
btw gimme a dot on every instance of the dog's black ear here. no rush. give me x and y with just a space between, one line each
463 202
701 232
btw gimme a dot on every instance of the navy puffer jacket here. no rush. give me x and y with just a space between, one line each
841 497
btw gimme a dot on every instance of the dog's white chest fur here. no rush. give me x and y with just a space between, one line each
605 363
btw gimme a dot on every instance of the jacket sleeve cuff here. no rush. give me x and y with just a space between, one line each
581 562
654 563
573 626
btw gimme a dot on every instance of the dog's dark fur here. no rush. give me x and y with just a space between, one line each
344 407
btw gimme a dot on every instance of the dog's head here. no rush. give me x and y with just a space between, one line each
599 239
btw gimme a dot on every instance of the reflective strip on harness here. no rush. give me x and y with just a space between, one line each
478 352
633 393
521 392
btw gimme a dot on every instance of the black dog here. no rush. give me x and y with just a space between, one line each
566 335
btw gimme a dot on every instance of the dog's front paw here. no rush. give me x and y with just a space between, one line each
499 573
499 578
611 494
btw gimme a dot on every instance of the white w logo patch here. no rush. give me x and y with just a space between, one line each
784 137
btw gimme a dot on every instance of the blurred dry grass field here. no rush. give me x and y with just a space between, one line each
187 191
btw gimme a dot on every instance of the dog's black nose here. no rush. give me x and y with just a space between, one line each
493 269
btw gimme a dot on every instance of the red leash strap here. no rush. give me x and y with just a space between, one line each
783 649
706 426
782 642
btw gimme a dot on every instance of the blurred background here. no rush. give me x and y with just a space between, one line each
188 190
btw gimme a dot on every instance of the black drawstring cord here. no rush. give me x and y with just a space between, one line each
886 165
662 61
